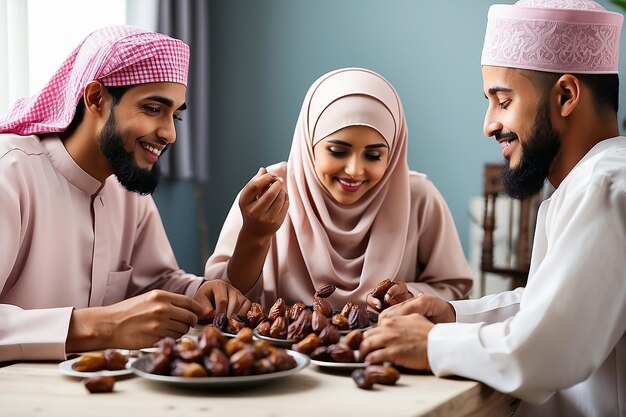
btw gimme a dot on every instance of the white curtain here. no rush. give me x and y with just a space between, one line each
142 13
13 51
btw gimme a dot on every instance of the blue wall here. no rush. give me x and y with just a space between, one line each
264 56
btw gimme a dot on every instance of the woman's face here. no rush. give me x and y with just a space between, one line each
351 161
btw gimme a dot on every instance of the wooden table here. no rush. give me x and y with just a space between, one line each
39 389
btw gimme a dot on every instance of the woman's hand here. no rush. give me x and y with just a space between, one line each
218 296
263 203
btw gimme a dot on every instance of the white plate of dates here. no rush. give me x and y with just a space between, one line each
215 361
338 356
111 362
139 367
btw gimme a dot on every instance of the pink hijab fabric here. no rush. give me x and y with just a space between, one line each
353 247
401 229
115 56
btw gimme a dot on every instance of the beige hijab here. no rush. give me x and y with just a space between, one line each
323 242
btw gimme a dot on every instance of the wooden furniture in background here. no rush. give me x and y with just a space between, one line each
519 231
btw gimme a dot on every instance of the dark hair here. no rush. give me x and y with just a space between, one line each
604 87
116 95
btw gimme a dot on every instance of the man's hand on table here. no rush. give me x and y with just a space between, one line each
401 336
133 323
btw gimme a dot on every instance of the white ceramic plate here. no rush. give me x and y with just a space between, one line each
196 331
139 368
276 342
341 365
65 368
345 332
338 365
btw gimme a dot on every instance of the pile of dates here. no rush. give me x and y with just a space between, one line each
296 322
213 355
330 346
324 342
236 322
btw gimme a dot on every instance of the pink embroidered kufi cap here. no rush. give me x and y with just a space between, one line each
115 56
562 36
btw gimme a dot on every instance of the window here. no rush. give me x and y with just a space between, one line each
37 35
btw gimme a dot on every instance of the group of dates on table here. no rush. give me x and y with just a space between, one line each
259 339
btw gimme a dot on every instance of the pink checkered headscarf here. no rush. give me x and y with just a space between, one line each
115 56
561 36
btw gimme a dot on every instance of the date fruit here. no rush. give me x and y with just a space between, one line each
187 369
255 315
264 328
341 353
277 310
354 339
345 311
362 380
92 362
278 329
99 384
358 318
308 344
381 374
318 321
381 289
300 328
329 335
221 322
242 362
341 322
217 363
322 306
326 291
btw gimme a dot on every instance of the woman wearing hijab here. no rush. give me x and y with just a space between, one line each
344 209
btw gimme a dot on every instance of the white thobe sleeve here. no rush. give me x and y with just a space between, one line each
571 315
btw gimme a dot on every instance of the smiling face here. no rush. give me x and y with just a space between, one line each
351 161
519 119
137 131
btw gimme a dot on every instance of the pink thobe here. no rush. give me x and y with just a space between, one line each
65 243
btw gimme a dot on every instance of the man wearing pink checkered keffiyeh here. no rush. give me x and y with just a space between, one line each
85 263
550 77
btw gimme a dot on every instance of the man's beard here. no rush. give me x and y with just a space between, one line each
123 164
538 152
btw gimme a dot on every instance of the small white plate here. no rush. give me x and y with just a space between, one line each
196 331
341 365
345 332
338 365
276 342
65 368
148 350
226 382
